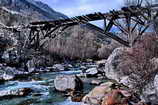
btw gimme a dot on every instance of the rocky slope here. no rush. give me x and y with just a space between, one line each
31 8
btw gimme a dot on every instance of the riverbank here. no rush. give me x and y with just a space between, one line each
42 88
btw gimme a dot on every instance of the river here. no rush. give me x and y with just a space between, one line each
43 90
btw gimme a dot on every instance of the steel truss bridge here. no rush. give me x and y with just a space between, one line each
131 21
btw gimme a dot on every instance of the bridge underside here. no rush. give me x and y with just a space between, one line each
131 21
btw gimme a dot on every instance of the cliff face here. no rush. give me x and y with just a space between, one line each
23 11
31 7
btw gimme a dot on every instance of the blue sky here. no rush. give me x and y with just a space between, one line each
79 7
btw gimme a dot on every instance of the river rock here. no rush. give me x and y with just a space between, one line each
58 67
66 82
92 72
82 103
14 71
96 82
15 93
11 57
96 96
101 63
5 56
7 73
111 93
83 67
31 66
8 76
116 97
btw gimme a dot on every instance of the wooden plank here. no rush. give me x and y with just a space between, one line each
37 41
49 32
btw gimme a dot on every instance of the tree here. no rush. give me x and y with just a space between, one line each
152 19
139 2
133 2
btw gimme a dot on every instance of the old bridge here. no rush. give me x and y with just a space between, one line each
136 20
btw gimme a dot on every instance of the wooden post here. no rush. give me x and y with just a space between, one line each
105 24
37 41
109 26
128 25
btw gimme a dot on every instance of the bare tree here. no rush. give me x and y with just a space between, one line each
139 2
151 23
133 2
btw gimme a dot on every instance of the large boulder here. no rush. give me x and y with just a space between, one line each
136 67
66 82
113 64
116 97
131 67
110 93
133 64
96 96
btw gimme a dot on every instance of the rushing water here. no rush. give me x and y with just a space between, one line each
43 90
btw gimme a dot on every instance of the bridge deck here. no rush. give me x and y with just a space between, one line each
93 17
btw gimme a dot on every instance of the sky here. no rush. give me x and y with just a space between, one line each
81 7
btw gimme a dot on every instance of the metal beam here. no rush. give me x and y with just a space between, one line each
110 35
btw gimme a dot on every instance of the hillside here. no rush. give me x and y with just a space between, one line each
24 11
32 8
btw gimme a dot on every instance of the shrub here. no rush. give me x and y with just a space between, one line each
137 61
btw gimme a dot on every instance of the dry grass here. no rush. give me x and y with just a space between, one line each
80 44
105 50
137 62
